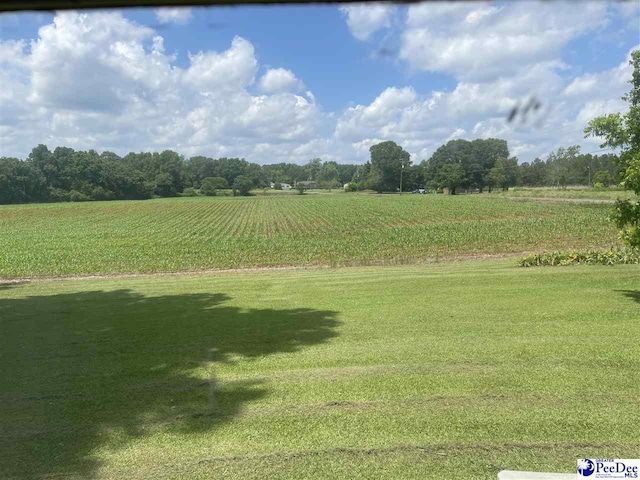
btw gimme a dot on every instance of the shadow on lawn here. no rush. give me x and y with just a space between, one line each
91 370
632 294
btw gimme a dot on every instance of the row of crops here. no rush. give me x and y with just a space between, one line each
204 233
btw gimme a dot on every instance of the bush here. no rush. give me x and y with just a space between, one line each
277 186
99 193
301 189
242 184
190 192
598 186
210 185
58 195
76 196
614 256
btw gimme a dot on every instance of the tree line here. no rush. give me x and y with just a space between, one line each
482 164
65 174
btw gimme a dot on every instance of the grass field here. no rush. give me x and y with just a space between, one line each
569 193
181 234
453 370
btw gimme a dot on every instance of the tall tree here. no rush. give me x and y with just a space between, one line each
623 131
387 161
450 176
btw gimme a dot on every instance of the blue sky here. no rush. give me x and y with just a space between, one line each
291 83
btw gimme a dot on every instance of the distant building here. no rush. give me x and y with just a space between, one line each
309 184
285 186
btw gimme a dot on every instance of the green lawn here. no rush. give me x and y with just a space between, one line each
180 234
451 370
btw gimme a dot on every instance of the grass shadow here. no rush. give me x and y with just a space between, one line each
632 294
91 370
11 284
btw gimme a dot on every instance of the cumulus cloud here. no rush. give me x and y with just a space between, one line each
500 56
101 81
235 68
366 19
476 41
422 122
179 15
277 80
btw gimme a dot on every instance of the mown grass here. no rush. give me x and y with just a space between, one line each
181 234
453 370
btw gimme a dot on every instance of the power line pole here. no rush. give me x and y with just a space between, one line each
401 170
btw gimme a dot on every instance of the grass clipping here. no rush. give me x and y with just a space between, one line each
613 256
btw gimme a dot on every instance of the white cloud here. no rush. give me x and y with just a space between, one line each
366 19
421 123
179 15
476 41
229 70
277 80
101 81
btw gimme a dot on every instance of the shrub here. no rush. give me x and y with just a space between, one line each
58 195
301 189
76 196
99 193
277 186
210 185
243 185
190 192
614 256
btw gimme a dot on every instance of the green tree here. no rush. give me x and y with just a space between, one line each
495 178
210 185
602 177
328 176
451 176
242 185
623 131
313 169
21 182
387 160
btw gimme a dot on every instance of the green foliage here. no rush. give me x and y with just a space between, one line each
76 196
277 186
352 187
623 131
21 182
613 256
178 234
476 158
301 189
210 185
143 175
328 176
451 176
189 192
602 177
387 160
242 185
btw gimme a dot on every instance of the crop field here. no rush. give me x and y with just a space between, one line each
365 372
185 234
569 193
